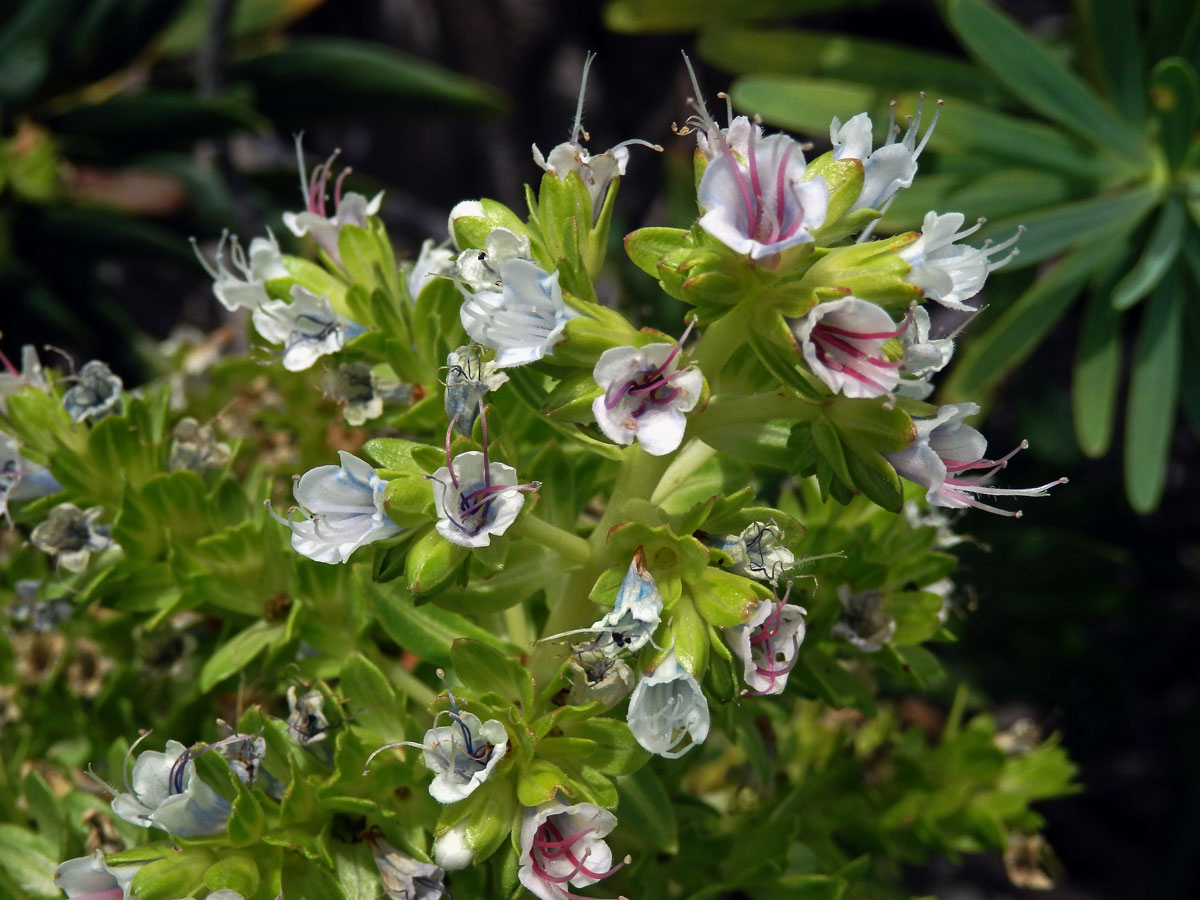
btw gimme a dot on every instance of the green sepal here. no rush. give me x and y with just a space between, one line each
873 271
399 455
646 247
432 563
470 232
690 634
571 400
614 751
590 334
236 872
667 556
408 500
725 599
485 817
540 781
173 877
844 178
313 277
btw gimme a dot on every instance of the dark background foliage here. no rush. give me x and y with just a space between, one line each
1082 616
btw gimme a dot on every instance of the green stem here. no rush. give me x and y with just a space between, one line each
722 412
418 691
517 625
722 337
694 454
569 545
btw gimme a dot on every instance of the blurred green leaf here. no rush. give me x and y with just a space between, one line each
1001 193
1153 392
323 77
190 29
1038 78
1097 375
1175 94
637 16
885 66
1012 337
1162 246
237 653
646 810
1113 28
163 119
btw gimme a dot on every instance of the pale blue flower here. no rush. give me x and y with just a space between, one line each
635 615
756 552
92 878
476 498
307 327
522 319
402 877
243 286
19 478
668 714
468 378
166 793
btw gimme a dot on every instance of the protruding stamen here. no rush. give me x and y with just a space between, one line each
577 127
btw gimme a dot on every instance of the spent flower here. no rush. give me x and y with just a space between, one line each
468 378
71 535
756 552
402 877
95 394
863 623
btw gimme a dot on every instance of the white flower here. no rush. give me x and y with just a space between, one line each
522 319
167 794
95 394
596 172
344 509
767 644
761 206
479 270
738 136
645 396
468 378
889 168
402 877
244 285
563 845
307 327
433 262
19 478
71 535
944 450
475 498
842 342
949 273
666 709
91 878
351 209
756 552
863 623
462 755
452 848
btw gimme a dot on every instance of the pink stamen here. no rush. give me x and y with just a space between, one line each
751 214
12 370
449 461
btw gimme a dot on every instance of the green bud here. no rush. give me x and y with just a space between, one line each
432 563
315 278
408 500
178 875
471 830
726 599
473 220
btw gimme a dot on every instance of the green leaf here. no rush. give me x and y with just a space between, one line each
1175 93
885 66
874 476
235 872
1027 69
426 631
1161 249
1113 26
481 667
832 683
991 355
169 879
322 76
647 246
45 808
1153 392
237 653
647 811
641 16
1048 232
370 697
1096 375
30 860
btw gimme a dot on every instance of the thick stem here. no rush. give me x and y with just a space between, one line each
569 545
722 337
418 691
722 412
517 626
694 454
